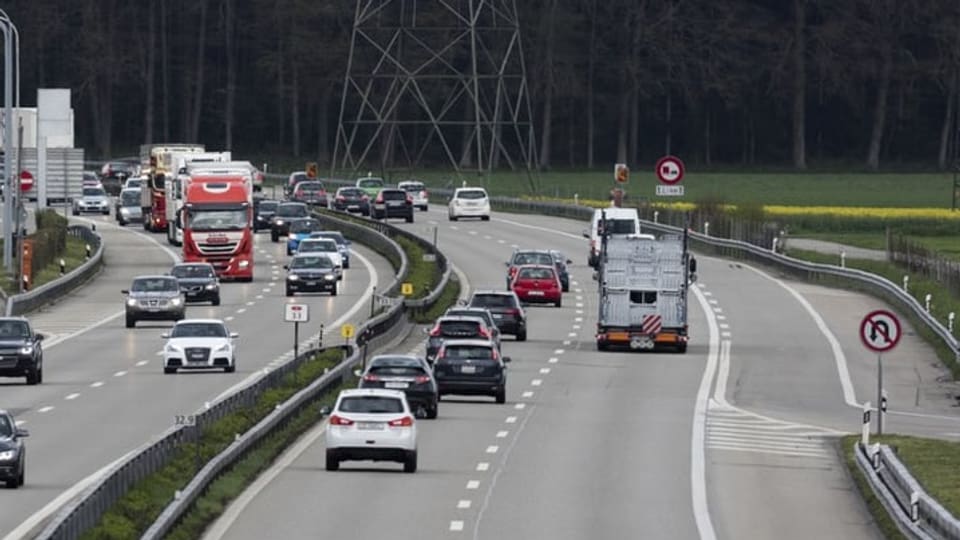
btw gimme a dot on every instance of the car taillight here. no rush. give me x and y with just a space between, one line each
484 333
435 331
341 198
424 194
513 311
409 199
379 199
493 354
364 198
406 421
340 421
420 379
370 377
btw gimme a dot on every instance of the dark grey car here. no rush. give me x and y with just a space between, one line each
154 298
198 282
13 453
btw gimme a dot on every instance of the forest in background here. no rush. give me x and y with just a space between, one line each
862 84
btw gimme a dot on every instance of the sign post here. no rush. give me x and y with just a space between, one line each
669 171
296 313
880 332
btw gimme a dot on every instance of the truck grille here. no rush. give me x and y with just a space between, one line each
224 248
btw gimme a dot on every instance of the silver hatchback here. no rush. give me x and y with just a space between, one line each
154 298
92 199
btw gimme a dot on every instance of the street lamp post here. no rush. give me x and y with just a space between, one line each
11 40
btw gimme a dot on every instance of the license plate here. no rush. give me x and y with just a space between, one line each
396 385
468 369
497 316
311 283
353 207
535 293
370 426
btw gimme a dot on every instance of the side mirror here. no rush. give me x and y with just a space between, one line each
40 337
22 432
325 410
124 291
165 335
569 261
234 335
461 302
286 267
358 372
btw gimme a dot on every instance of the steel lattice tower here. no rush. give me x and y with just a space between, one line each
436 82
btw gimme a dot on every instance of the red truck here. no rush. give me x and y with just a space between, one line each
217 220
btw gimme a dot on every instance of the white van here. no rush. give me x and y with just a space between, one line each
617 221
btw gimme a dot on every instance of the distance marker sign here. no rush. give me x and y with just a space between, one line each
880 330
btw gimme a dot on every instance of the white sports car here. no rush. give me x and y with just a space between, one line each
200 344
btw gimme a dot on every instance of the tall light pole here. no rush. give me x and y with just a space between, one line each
11 42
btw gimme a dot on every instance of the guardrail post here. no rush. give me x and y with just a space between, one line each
914 506
874 452
576 199
926 302
865 434
656 216
950 317
773 244
88 251
706 228
906 283
843 259
63 267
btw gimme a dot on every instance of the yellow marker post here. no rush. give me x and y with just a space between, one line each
346 331
406 289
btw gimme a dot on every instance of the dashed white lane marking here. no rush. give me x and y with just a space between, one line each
567 343
502 434
579 297
483 466
558 351
241 310
714 301
463 504
158 353
72 396
251 303
501 242
572 334
724 325
473 484
579 304
259 297
511 420
553 360
528 394
142 363
473 233
454 228
520 406
97 384
230 318
725 334
579 312
120 374
20 422
707 293
578 319
717 310
493 449
536 382
266 289
545 370
456 525
486 237
48 408
721 317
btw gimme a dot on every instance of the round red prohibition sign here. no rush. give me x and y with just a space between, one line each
880 330
669 170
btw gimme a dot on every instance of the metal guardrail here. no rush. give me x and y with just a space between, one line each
916 513
28 301
85 511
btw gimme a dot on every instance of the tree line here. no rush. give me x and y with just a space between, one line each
799 83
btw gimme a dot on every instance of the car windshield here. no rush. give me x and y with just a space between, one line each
464 352
93 192
14 330
217 220
268 206
370 183
292 210
201 330
370 404
311 261
485 315
192 271
302 226
618 226
158 284
532 258
6 427
471 194
459 328
536 273
492 300
318 245
130 198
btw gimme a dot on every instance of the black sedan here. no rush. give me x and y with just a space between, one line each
198 282
471 367
351 199
407 373
313 272
560 262
20 352
280 224
13 459
263 213
392 203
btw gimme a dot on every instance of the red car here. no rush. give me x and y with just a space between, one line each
537 283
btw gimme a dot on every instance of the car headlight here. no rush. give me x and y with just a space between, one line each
244 264
173 348
329 277
293 277
223 348
175 302
7 455
26 350
211 286
131 302
124 210
292 236
279 222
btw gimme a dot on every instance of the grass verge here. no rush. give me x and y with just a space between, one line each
884 522
73 257
447 298
133 513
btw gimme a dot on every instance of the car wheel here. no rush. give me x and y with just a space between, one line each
12 483
332 461
410 463
682 348
452 218
333 292
169 370
230 369
289 292
76 213
106 212
565 288
131 322
346 266
32 377
602 346
559 302
433 409
274 237
410 218
485 218
289 252
501 395
522 335
424 208
40 375
216 300
22 479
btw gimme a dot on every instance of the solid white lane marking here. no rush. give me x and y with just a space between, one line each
528 394
553 360
463 503
483 466
502 434
120 374
698 469
520 406
456 525
536 228
545 370
473 484
511 420
72 396
492 449
97 384
48 408
143 363
536 382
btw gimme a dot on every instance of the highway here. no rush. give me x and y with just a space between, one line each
735 439
104 392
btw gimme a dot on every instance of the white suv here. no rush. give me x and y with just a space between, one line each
371 424
469 202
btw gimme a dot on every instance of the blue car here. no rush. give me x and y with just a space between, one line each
300 229
342 243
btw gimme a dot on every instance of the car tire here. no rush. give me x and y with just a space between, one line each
22 479
169 370
433 410
602 346
424 208
410 218
485 218
522 335
332 460
76 213
122 222
33 377
40 375
247 279
131 322
346 266
289 292
501 395
681 348
274 237
289 252
452 218
230 369
215 301
559 302
106 212
12 483
334 291
410 462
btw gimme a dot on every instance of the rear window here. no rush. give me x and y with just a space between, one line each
399 371
485 315
459 328
304 226
492 300
617 226
351 192
465 352
471 194
371 404
536 273
532 258
370 183
393 195
310 187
